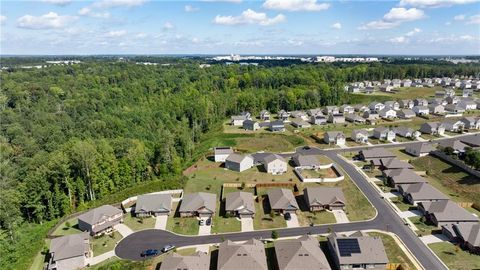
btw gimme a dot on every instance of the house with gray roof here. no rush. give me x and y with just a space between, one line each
420 102
240 204
100 220
454 126
274 164
375 153
153 205
467 105
419 149
446 212
405 113
221 153
238 162
313 112
387 113
383 133
282 200
392 105
472 141
360 135
265 115
200 204
471 122
433 128
321 198
331 110
283 115
468 235
454 108
300 123
406 103
457 146
335 137
436 109
249 255
370 115
402 176
69 252
302 253
353 118
347 109
318 119
237 120
405 132
360 108
393 164
420 192
357 252
310 162
277 126
421 110
197 261
251 125
336 118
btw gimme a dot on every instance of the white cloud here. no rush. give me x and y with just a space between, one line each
475 19
47 21
168 25
58 2
413 32
460 17
399 40
116 34
86 11
337 25
141 35
118 3
249 17
3 19
435 3
228 1
394 18
295 5
189 8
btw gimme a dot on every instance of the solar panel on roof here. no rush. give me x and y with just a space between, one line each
348 246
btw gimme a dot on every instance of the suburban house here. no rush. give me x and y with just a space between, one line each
360 108
375 154
393 164
237 120
153 205
420 192
318 119
403 131
282 200
310 162
299 114
347 109
371 115
457 146
454 108
69 252
277 126
357 252
471 122
406 83
353 118
406 103
335 137
249 255
336 118
239 163
420 102
392 105
199 204
241 204
221 153
302 253
265 115
388 113
421 110
402 176
467 234
419 150
405 113
300 123
274 164
360 135
436 109
331 110
100 220
467 105
446 212
473 141
251 125
386 88
321 198
383 133
316 111
454 126
197 261
433 128
376 106
283 115
396 83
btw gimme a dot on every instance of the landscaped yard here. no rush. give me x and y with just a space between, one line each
454 257
137 224
305 218
72 227
325 173
394 253
182 225
451 180
423 228
105 243
263 219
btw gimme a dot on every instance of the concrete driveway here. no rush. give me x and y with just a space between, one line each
100 258
410 213
293 222
123 229
434 238
340 216
247 224
161 222
204 229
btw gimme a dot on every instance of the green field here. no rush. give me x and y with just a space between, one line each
181 225
105 243
394 253
454 257
137 224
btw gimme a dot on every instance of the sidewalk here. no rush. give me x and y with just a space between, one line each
123 229
100 258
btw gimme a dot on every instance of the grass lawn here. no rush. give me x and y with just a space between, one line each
451 180
319 173
222 224
455 258
423 228
401 154
401 204
263 220
105 243
40 258
394 253
306 218
63 229
185 225
269 142
137 224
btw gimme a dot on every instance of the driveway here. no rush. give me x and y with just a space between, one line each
123 229
204 229
434 238
161 222
100 258
293 222
340 216
247 224
391 194
410 213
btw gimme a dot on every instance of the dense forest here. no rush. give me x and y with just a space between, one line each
74 134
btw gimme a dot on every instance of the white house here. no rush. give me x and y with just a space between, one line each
335 137
383 133
274 164
405 113
454 126
406 103
238 163
471 122
436 109
434 128
347 109
360 135
467 105
221 153
392 105
420 102
336 118
421 110
376 106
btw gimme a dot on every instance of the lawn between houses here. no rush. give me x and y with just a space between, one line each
454 257
394 253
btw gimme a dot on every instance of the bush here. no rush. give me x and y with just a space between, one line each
274 234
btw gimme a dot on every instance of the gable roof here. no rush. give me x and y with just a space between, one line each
446 210
394 163
423 191
240 201
303 253
237 158
470 232
100 213
363 132
271 157
194 201
282 198
153 202
358 249
456 145
223 150
377 153
324 195
471 140
69 246
306 160
197 261
421 147
250 255
403 176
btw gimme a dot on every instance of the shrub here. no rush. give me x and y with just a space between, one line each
274 234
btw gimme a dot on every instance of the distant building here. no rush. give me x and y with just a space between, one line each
221 153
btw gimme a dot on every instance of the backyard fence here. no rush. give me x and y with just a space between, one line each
455 162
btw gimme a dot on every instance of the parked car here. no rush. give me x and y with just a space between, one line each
209 222
287 216
167 248
149 252
201 222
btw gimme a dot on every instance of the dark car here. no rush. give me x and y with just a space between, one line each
208 222
287 216
149 252
167 248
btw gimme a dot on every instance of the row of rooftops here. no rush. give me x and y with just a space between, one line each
465 83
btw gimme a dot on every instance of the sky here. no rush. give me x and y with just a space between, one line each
412 27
